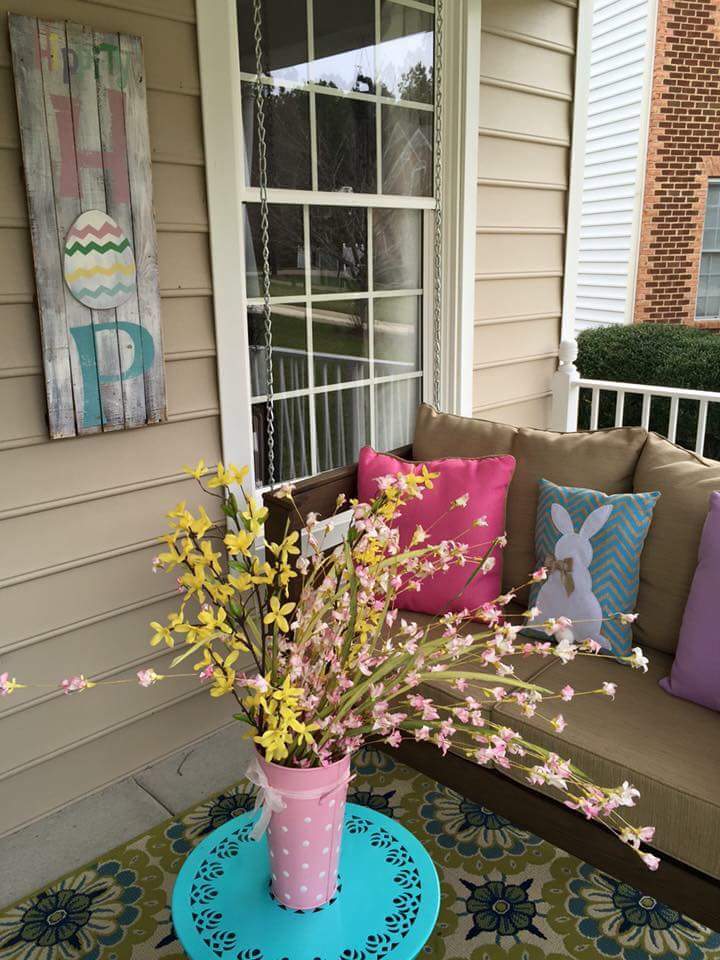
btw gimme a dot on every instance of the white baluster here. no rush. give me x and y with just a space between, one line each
701 427
620 408
565 391
645 417
672 424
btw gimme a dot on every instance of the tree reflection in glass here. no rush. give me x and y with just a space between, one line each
287 255
405 53
287 132
338 249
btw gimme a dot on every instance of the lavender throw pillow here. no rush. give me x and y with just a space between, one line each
695 673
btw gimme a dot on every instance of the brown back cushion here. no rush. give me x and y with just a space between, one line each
670 556
439 435
604 460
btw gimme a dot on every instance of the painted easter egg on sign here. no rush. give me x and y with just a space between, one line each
99 262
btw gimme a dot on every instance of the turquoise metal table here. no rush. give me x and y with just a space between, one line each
385 909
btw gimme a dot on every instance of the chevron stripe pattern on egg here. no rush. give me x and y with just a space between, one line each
617 546
99 265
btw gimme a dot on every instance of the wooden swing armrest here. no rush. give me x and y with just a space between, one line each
315 495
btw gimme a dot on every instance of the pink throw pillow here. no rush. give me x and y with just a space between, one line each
486 480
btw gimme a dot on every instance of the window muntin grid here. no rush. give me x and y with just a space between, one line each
708 299
331 401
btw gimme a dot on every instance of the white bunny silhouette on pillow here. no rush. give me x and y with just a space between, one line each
568 590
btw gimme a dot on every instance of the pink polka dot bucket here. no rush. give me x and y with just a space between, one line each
304 829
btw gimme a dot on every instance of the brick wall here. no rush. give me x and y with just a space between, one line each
683 151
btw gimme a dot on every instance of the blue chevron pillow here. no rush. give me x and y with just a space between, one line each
590 542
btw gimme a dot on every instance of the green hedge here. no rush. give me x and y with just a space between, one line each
667 355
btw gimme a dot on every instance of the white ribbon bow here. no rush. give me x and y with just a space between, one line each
269 800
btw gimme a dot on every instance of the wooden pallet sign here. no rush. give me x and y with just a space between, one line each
86 153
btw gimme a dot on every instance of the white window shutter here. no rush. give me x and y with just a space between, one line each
614 78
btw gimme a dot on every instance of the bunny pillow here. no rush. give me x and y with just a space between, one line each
590 543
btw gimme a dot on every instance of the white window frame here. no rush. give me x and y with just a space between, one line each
711 182
227 191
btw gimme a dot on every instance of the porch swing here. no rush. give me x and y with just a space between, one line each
266 309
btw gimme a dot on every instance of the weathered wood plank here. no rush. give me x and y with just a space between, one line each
61 397
139 168
91 186
108 72
56 91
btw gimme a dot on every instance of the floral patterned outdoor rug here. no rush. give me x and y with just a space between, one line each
505 892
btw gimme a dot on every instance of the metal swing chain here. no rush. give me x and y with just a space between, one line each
438 222
265 241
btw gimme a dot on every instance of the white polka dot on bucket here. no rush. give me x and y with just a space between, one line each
305 866
308 819
303 889
274 876
339 827
306 843
326 849
328 826
332 803
287 896
285 873
272 853
318 896
286 852
321 874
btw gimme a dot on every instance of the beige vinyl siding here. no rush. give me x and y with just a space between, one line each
79 518
526 66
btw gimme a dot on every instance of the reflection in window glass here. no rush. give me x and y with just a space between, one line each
338 249
407 151
289 348
287 127
344 44
405 54
341 341
708 301
287 257
396 322
284 28
396 406
343 425
346 144
292 439
397 249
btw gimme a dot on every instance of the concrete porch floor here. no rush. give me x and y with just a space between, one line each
65 840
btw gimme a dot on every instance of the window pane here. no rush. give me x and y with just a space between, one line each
407 151
346 144
405 54
284 39
287 257
344 44
343 425
287 134
292 439
396 407
397 249
341 341
338 249
708 303
396 322
289 348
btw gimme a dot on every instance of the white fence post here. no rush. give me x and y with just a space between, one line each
565 390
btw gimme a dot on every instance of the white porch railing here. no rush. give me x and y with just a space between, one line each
567 384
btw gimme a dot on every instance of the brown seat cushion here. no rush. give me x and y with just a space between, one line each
666 747
604 460
670 556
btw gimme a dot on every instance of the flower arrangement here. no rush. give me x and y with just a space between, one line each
311 646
